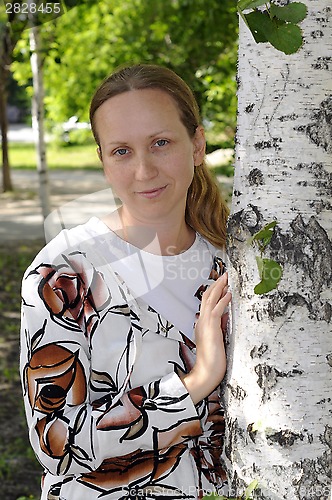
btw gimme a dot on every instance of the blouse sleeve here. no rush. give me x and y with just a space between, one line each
63 304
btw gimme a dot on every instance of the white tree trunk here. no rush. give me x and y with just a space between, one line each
38 120
278 388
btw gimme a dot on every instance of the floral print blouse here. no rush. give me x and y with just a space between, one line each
108 415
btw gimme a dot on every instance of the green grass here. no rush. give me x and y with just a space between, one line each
19 470
65 157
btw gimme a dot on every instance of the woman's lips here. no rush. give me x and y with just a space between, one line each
152 193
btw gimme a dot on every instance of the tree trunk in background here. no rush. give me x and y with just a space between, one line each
38 120
5 59
278 385
6 178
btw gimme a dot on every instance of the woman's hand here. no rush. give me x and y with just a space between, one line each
210 366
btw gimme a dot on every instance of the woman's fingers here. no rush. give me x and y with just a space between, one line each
216 290
222 303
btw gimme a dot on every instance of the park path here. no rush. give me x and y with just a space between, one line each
75 197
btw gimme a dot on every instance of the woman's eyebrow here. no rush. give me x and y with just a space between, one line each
150 136
159 133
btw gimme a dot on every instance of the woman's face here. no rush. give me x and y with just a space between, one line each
147 154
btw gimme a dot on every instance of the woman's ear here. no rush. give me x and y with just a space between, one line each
199 145
99 153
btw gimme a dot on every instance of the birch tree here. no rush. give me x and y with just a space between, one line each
278 387
38 118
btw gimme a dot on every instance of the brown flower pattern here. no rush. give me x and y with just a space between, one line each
73 292
100 428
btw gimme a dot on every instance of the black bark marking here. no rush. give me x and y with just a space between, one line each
255 177
252 433
329 359
327 437
315 482
240 227
323 401
251 217
280 303
322 179
323 63
320 205
258 351
237 392
272 143
249 108
237 193
284 438
268 378
308 248
317 34
235 434
291 117
319 130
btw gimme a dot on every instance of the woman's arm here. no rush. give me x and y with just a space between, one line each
210 366
71 434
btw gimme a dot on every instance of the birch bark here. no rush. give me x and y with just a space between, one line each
38 119
278 385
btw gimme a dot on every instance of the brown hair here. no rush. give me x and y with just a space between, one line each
206 211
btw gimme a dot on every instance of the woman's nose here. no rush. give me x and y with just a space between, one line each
145 167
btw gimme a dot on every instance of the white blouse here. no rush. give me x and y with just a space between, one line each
167 283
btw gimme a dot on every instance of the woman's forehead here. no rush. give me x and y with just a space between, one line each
150 109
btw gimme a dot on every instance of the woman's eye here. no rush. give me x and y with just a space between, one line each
121 151
161 142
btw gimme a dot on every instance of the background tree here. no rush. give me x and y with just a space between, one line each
278 387
38 116
11 28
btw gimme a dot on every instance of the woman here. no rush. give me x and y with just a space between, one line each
119 383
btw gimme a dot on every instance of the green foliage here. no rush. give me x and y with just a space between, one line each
91 40
27 498
270 272
275 24
30 497
263 237
250 489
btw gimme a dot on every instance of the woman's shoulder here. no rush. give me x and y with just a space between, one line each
67 242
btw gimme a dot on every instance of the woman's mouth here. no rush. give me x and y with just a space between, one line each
152 193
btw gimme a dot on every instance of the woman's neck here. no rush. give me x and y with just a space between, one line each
162 238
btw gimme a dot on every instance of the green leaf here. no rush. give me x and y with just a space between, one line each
292 13
264 235
260 265
259 24
252 486
286 37
270 273
250 4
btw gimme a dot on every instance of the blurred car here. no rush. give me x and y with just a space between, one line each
73 124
